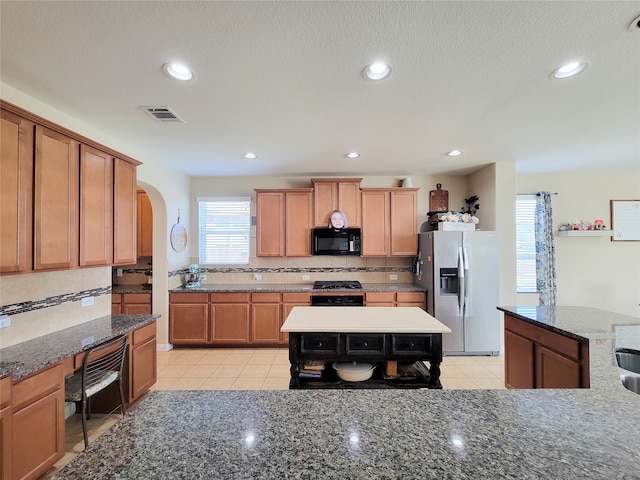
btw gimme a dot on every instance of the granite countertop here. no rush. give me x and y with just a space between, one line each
28 357
365 434
604 331
298 287
142 288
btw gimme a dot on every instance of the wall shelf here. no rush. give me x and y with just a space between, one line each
586 233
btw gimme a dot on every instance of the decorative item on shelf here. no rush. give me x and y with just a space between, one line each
407 182
438 199
472 207
452 221
583 225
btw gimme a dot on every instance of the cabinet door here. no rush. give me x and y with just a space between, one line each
136 308
5 442
349 201
519 361
265 323
55 201
230 323
555 371
188 323
96 207
124 212
16 180
404 220
375 223
144 226
270 224
143 368
298 220
290 300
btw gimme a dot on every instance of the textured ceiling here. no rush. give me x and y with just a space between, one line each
284 80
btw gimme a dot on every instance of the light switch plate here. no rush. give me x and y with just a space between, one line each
5 321
257 276
393 276
87 301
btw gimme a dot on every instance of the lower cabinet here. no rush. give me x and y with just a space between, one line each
5 427
131 303
539 358
265 318
229 318
143 368
189 318
395 299
290 300
37 423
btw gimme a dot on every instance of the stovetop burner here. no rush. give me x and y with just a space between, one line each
337 285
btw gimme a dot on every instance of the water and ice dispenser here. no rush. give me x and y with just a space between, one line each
449 281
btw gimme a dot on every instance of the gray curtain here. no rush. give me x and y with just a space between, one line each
545 250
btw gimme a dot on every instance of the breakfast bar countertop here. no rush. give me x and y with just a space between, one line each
25 358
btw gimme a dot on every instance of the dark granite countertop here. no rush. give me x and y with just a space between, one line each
298 287
604 331
142 288
369 434
28 357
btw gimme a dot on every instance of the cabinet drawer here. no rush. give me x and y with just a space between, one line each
410 344
380 297
116 298
143 334
326 343
265 297
36 386
410 297
200 297
555 341
242 297
136 298
290 297
365 344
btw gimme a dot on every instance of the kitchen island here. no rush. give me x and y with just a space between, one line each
385 335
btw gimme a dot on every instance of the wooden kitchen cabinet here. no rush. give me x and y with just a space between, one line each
539 358
116 303
144 228
229 318
395 299
124 213
290 300
283 222
16 191
389 222
189 318
266 318
5 427
337 194
143 368
135 303
96 207
56 183
37 440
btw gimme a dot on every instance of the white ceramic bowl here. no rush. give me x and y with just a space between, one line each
353 371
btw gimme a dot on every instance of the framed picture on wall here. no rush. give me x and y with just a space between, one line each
625 220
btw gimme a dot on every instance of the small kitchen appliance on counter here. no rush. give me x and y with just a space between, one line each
193 278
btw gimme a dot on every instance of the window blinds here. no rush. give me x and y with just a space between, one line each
223 230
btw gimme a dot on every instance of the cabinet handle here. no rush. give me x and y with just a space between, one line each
411 344
319 344
365 344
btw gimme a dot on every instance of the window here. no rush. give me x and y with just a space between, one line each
526 243
223 230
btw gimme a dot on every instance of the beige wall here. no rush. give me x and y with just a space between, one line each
591 271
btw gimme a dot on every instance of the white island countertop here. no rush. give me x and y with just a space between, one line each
362 320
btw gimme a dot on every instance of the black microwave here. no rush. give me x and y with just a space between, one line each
330 241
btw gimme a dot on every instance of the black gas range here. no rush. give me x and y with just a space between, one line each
325 298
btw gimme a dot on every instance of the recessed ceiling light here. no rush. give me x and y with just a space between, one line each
569 69
454 153
377 71
250 155
178 71
352 155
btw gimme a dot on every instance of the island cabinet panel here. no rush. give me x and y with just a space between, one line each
16 191
124 213
96 207
55 200
337 194
265 318
143 368
229 318
189 318
536 357
37 440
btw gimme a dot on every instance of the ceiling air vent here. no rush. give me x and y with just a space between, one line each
163 114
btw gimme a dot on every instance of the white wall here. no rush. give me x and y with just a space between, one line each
592 271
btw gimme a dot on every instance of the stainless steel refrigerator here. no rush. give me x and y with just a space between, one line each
460 272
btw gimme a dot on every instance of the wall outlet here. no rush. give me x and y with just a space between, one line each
257 276
5 321
87 301
306 277
393 276
118 272
203 277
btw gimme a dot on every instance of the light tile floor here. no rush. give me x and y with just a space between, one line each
258 369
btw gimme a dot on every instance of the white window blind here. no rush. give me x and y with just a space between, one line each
224 226
526 243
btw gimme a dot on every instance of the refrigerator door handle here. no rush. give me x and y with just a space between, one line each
465 256
461 282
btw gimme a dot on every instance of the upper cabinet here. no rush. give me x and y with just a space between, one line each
389 222
16 191
66 201
145 225
283 222
55 201
337 194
